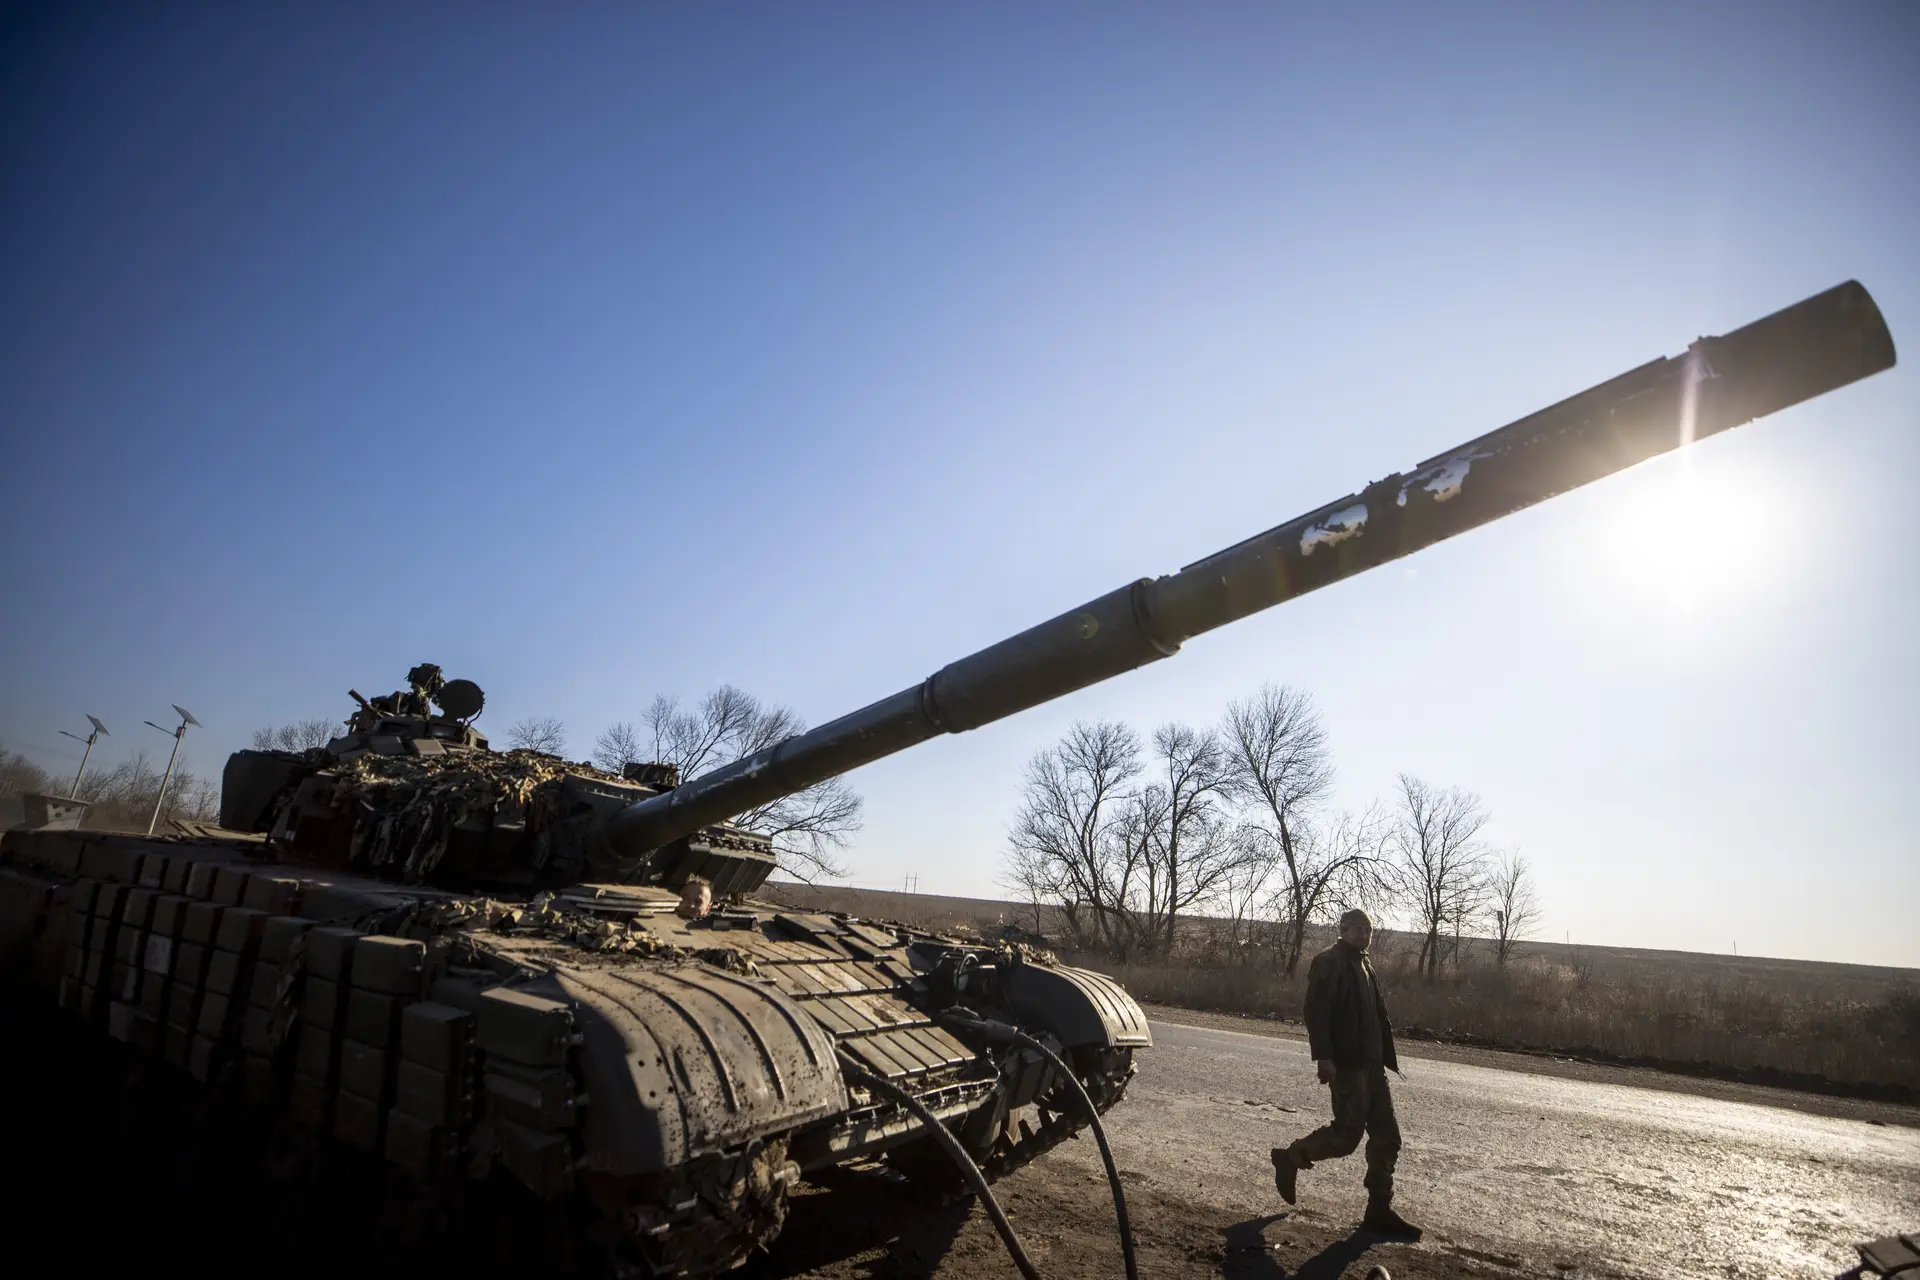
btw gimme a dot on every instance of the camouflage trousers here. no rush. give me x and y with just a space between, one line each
1362 1104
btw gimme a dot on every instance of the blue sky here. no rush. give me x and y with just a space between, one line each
810 347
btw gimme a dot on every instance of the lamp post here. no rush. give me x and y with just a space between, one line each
186 718
90 739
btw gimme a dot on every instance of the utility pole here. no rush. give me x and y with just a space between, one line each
90 739
186 718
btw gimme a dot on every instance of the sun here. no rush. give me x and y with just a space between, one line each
1691 537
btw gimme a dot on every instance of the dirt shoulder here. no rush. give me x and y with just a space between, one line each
867 1225
1818 1104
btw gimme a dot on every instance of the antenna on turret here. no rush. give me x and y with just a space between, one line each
186 718
90 739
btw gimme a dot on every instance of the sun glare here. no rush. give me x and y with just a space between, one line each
1691 536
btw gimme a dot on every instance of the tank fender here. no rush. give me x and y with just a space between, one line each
1080 1007
681 1060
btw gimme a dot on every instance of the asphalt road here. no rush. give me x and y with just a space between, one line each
1534 1172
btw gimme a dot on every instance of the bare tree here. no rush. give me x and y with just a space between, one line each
21 776
1123 841
546 734
193 797
299 735
727 724
1438 861
618 746
1034 904
809 827
1345 861
1244 890
1281 767
1074 840
1039 879
1191 850
122 796
1515 905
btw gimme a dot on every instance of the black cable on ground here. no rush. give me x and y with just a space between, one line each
999 1030
859 1075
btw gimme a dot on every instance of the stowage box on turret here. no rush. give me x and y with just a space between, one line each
458 965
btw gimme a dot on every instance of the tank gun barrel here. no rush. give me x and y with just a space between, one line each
1810 348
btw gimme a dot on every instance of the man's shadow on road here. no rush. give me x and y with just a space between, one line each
1248 1257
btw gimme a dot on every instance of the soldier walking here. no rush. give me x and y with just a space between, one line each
1351 1040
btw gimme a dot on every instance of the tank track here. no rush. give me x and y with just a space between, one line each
701 1219
1016 1140
1105 1076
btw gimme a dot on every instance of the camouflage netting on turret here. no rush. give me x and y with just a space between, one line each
412 810
548 916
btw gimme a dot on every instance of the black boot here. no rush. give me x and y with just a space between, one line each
1382 1220
1284 1173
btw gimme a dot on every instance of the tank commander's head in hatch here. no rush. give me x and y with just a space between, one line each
696 899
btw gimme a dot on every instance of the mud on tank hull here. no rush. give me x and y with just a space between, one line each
656 1084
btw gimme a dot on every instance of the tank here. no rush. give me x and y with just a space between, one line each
409 962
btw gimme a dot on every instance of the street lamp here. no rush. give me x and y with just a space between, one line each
90 739
186 718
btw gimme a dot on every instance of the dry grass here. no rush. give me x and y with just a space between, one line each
1690 1017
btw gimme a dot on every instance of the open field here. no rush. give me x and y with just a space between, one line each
1802 1024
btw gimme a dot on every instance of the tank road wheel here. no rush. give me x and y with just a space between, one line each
1104 1072
702 1218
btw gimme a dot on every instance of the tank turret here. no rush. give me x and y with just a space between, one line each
412 792
1813 347
430 717
431 709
